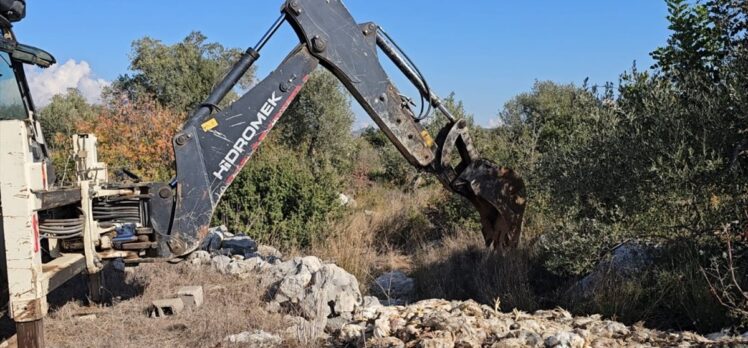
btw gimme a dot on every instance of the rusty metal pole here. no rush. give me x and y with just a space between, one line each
30 334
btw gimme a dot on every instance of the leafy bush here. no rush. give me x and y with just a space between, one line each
394 168
135 134
318 124
278 199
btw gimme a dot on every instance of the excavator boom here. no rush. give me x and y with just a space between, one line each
214 145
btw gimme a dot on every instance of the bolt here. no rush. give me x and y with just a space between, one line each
462 124
182 139
319 44
370 28
284 87
383 97
164 193
295 8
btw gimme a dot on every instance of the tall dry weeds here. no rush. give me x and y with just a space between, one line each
460 267
376 237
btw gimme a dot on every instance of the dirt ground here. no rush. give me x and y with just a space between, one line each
231 307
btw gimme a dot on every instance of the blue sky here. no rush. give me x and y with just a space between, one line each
486 51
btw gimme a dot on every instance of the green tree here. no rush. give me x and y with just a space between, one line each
660 163
318 123
59 120
59 117
179 76
562 115
693 45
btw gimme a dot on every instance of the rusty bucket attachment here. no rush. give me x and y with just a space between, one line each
498 193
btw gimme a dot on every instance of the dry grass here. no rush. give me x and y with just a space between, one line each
392 231
231 306
350 246
376 237
460 268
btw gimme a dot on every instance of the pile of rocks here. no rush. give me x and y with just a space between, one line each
321 295
440 323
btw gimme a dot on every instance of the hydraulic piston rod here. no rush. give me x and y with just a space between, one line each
387 47
241 67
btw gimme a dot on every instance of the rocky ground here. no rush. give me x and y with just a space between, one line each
257 298
327 302
440 323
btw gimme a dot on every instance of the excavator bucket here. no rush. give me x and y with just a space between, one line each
498 193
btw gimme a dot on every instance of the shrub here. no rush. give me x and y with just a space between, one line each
669 293
278 199
135 134
394 168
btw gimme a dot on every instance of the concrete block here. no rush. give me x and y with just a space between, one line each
87 317
192 296
166 307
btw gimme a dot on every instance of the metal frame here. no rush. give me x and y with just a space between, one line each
23 195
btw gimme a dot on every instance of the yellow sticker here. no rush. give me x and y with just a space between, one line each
209 124
427 138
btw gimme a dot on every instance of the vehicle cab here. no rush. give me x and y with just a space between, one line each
16 103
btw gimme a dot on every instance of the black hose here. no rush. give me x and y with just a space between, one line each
427 97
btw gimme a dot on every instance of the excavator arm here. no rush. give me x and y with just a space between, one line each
214 145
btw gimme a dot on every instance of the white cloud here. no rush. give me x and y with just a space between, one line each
46 83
